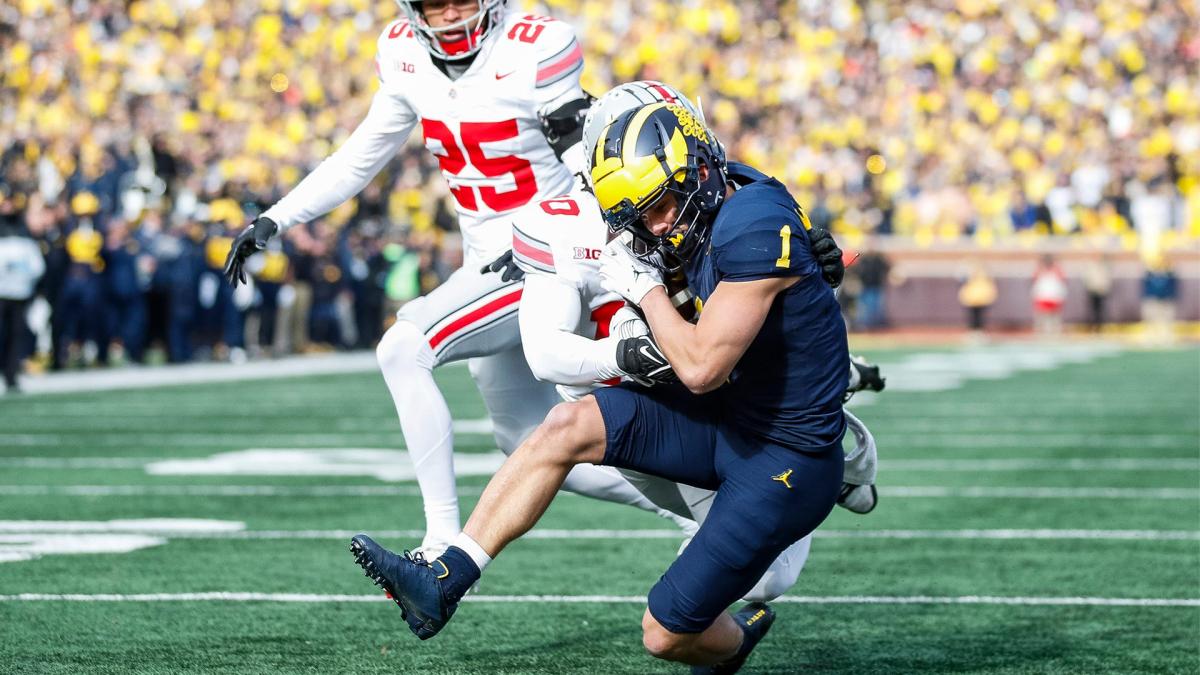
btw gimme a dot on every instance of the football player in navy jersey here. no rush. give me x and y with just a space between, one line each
755 413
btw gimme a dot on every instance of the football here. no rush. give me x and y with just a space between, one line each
681 295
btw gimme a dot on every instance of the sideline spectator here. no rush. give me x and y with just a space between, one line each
21 265
1049 295
976 295
872 269
1097 280
1159 290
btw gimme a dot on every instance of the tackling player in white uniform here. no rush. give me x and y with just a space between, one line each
581 336
496 96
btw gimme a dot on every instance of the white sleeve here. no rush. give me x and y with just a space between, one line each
550 312
348 170
559 69
576 160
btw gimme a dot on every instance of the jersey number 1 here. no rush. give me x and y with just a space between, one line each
785 233
453 161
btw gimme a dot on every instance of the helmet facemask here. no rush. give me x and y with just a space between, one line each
645 157
687 232
476 28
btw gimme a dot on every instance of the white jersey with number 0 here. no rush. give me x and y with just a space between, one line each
565 312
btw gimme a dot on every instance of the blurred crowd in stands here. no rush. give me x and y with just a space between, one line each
138 136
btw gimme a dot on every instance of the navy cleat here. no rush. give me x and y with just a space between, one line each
408 580
755 620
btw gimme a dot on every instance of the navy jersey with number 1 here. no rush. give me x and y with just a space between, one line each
787 388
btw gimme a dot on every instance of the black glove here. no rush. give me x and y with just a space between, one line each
505 266
252 240
641 359
828 256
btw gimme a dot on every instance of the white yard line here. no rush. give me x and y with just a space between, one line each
609 599
360 438
1039 492
891 491
1048 464
222 490
199 373
203 529
926 371
923 464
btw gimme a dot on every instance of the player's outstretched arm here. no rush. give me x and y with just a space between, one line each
348 170
703 355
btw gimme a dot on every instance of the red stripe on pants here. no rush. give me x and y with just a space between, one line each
472 317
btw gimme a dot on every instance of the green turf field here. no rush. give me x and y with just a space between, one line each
1038 519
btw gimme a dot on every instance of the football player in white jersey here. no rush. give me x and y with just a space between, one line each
496 96
581 336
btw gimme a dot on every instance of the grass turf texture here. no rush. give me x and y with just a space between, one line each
1136 405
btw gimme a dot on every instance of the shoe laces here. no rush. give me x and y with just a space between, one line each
418 558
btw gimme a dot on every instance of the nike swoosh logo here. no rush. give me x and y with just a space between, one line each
646 352
501 77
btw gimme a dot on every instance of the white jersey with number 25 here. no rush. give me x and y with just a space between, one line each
483 128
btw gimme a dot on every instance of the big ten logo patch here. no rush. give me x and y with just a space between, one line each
583 253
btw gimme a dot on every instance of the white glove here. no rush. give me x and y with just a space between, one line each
627 323
622 273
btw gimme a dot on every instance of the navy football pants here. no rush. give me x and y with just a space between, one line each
768 496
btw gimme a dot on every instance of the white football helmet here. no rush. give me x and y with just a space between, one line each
627 97
476 28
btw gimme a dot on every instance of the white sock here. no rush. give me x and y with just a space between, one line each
855 378
407 365
472 549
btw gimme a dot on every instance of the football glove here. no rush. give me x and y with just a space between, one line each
624 274
644 363
251 240
505 266
828 256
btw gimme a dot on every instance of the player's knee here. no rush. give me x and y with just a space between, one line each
569 433
658 641
402 346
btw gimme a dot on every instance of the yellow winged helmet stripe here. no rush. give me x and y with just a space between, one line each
630 176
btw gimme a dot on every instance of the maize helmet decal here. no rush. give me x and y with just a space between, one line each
655 152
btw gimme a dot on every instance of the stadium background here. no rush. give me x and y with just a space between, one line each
138 137
1040 510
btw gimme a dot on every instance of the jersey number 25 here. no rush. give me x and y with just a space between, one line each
453 161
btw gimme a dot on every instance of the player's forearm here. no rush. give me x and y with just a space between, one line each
681 343
566 358
550 312
338 178
348 170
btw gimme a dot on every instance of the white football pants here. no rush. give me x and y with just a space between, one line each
472 316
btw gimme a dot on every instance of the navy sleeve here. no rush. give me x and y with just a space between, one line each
773 244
